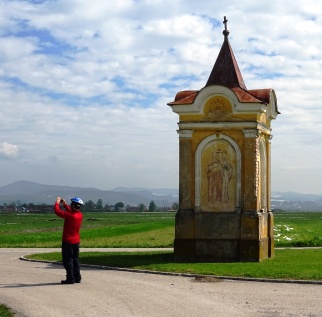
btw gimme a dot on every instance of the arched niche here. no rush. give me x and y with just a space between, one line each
218 175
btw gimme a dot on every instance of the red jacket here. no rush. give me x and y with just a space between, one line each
72 223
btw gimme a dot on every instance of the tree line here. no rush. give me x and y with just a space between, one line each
89 206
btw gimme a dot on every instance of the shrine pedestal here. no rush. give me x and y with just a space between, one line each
223 237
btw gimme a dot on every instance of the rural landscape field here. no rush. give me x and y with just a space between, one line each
297 238
144 229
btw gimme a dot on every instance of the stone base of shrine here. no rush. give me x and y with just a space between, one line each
223 236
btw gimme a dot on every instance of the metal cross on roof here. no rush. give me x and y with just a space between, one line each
225 31
225 22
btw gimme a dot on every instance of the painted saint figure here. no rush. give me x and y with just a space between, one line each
219 174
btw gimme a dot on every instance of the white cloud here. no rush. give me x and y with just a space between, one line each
84 85
8 150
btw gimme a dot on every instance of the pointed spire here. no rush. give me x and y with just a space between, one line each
226 71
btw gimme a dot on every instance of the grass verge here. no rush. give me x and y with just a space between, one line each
290 264
5 311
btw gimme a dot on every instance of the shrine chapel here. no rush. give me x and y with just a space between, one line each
225 137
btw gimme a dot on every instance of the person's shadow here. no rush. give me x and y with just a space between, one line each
18 285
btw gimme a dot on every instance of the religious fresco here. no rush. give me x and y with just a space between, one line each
218 173
217 108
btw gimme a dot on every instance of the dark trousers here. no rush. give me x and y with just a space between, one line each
70 254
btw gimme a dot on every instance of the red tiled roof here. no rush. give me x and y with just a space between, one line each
261 94
245 95
187 97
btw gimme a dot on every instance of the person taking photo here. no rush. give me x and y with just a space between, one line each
71 237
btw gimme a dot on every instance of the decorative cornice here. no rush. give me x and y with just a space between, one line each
185 134
264 128
225 125
251 133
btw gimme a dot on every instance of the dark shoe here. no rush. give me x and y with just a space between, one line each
67 282
77 278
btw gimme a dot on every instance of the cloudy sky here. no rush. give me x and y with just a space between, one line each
84 85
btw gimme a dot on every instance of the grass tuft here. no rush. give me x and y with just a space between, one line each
5 311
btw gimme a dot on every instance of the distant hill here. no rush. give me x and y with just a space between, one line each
31 192
292 201
293 196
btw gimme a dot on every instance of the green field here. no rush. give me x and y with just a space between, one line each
298 229
98 230
292 229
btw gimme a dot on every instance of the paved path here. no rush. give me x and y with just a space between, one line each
33 289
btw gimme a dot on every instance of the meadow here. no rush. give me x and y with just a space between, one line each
111 230
292 229
146 229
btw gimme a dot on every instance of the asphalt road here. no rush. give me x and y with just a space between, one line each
33 289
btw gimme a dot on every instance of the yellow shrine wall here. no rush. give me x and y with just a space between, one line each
213 197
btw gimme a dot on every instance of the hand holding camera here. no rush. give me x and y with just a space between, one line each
60 201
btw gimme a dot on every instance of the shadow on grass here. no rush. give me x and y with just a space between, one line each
126 260
290 264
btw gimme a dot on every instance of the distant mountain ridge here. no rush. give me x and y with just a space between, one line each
292 201
292 196
31 192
